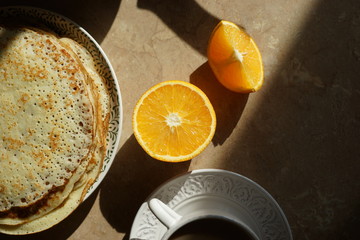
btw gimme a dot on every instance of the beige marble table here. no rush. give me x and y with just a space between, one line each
298 137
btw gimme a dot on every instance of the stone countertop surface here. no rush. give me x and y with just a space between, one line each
298 137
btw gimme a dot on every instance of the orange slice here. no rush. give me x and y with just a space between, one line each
235 59
174 121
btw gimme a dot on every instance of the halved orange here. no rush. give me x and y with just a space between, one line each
174 121
235 58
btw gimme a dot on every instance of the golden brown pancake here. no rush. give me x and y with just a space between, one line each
53 123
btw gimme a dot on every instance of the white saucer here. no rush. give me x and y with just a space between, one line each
217 189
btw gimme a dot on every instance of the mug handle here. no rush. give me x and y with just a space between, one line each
164 213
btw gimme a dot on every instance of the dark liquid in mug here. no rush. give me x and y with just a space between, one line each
210 229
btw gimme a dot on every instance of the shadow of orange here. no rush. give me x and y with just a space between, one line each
228 105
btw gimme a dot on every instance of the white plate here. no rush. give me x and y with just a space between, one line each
65 27
218 188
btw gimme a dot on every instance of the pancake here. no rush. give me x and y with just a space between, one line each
97 83
50 219
53 124
97 86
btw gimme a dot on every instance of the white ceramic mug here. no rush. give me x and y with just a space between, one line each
174 221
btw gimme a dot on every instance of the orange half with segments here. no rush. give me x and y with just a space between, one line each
235 58
174 121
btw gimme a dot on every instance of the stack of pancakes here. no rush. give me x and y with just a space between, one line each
54 116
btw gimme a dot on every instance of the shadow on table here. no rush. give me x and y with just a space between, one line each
95 16
64 229
186 18
228 105
133 176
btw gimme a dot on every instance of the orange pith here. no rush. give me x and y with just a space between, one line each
235 58
174 121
